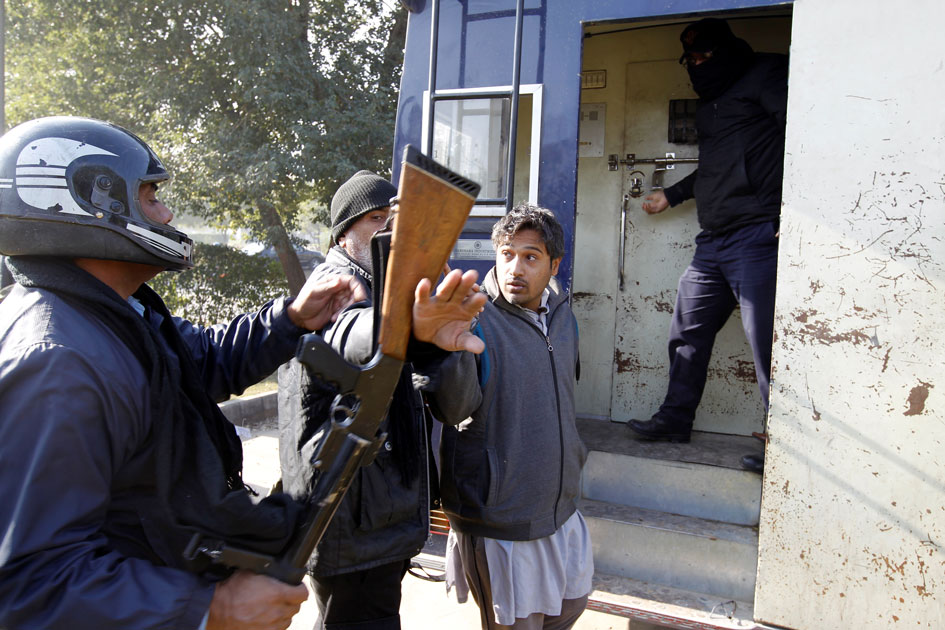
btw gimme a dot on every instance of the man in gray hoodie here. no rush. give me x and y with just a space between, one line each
511 467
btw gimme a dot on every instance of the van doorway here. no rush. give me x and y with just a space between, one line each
636 109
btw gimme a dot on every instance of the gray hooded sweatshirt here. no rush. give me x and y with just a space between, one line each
511 470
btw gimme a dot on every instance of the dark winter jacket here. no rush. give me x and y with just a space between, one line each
741 150
76 463
512 470
384 517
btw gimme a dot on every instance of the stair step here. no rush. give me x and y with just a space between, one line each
702 478
668 607
685 552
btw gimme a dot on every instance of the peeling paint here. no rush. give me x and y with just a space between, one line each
744 371
803 316
660 302
823 334
917 397
629 363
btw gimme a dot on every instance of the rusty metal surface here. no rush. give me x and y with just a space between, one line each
853 509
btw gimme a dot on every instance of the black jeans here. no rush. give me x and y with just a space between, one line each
361 600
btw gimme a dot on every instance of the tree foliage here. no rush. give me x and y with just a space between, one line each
207 294
260 109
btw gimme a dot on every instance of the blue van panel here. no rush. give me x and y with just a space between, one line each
480 55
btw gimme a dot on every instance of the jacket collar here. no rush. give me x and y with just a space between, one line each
338 257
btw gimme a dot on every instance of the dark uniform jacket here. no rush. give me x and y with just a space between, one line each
77 463
741 150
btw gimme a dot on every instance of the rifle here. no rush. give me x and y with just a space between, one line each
433 204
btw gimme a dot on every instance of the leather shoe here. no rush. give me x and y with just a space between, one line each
755 462
658 428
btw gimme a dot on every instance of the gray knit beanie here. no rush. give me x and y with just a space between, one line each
364 192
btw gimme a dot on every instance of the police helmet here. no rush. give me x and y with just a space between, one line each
69 188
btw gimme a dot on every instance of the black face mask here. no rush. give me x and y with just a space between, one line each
711 78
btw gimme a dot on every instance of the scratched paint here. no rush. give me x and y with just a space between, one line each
852 531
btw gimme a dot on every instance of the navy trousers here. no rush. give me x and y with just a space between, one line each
735 268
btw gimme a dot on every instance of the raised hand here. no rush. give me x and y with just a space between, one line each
444 318
321 300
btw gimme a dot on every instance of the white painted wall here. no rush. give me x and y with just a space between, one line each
853 513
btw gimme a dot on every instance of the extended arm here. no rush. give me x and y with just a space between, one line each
249 348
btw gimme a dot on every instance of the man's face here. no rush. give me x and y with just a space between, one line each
357 239
151 207
523 269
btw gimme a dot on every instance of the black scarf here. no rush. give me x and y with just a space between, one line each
198 456
711 78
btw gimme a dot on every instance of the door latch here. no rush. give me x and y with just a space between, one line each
661 165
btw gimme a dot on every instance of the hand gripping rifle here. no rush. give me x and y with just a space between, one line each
433 205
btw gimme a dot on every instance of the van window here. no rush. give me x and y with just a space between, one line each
471 137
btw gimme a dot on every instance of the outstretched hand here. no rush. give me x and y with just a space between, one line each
322 299
444 319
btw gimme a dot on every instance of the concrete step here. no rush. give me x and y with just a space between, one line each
702 478
666 607
719 559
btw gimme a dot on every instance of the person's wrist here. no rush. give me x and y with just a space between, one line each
292 312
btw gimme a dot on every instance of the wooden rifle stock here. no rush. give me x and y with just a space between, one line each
433 205
432 209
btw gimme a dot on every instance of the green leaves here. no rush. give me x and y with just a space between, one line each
223 283
245 101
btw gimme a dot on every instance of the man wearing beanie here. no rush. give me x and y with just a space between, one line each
364 193
384 518
737 188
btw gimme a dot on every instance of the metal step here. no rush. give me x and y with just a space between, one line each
702 478
678 551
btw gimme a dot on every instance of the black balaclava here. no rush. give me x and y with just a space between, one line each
730 57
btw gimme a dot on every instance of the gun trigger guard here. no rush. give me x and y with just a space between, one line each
322 360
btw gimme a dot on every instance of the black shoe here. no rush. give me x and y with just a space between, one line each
755 462
658 428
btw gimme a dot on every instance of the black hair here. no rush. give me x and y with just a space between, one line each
527 216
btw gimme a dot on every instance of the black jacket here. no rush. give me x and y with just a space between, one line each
741 150
76 463
384 517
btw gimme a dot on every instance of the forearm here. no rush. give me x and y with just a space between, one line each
454 392
248 349
681 190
